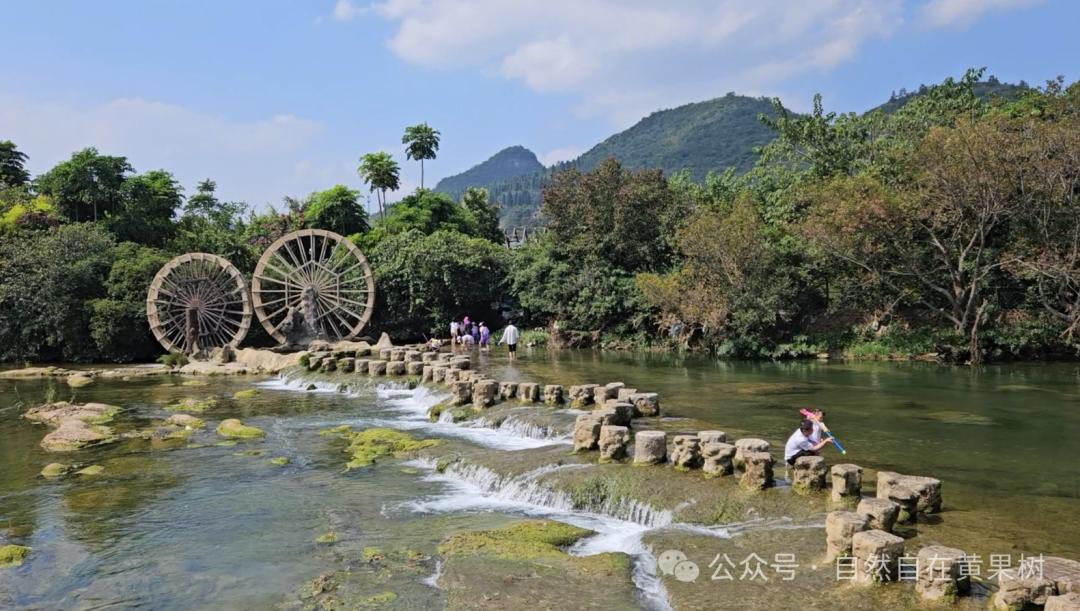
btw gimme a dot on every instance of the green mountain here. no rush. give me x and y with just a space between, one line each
508 163
984 90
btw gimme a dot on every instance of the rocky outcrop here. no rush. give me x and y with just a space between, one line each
840 527
1063 572
686 452
846 483
76 425
757 471
613 440
808 474
941 573
1063 602
650 447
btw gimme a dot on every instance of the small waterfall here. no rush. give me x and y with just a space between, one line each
519 427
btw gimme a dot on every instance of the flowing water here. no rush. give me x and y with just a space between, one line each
204 525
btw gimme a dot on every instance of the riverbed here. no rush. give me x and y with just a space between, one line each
202 524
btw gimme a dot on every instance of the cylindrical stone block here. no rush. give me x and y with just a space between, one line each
650 447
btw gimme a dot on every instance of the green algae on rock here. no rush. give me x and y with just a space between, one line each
279 461
369 445
192 405
12 555
234 429
249 393
185 420
91 470
55 469
328 538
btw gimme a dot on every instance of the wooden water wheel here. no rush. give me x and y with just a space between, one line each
198 302
313 284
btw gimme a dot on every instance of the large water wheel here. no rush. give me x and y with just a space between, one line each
198 302
313 284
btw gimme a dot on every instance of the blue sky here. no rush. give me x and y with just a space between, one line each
278 97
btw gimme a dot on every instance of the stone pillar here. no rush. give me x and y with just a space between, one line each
443 357
451 376
361 365
616 413
623 393
413 356
927 490
462 392
346 364
717 456
426 373
553 394
613 440
586 432
1069 601
528 392
881 513
748 444
877 555
940 573
397 354
429 357
808 474
377 368
608 391
846 482
686 453
460 362
580 395
712 436
650 447
385 354
483 394
414 368
840 527
328 364
438 374
646 404
757 471
507 390
395 368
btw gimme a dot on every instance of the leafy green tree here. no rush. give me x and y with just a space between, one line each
337 209
118 323
482 215
423 143
427 212
47 279
211 225
86 186
424 281
148 204
381 173
12 165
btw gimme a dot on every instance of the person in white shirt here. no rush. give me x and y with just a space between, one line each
801 443
453 332
510 336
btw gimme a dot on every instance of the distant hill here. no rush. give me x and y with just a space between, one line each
986 91
508 163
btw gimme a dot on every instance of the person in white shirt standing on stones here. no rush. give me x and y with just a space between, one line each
510 336
802 443
453 333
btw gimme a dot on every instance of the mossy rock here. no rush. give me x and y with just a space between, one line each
279 461
378 600
53 470
12 555
228 443
368 446
534 539
105 416
194 383
250 393
92 470
327 538
342 429
192 405
252 452
234 429
371 554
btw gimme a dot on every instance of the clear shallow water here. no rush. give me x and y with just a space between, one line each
205 527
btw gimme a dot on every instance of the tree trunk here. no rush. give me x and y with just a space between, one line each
421 172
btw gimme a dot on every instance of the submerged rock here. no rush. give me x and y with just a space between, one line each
92 470
327 538
54 414
370 445
55 469
13 555
74 435
192 405
279 461
249 393
234 429
185 420
78 380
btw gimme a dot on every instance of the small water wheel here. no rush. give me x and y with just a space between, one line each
313 284
198 302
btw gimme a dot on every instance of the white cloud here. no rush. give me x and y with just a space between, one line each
565 153
624 58
255 161
961 13
344 10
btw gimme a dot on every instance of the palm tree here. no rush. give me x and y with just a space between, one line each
423 143
380 172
